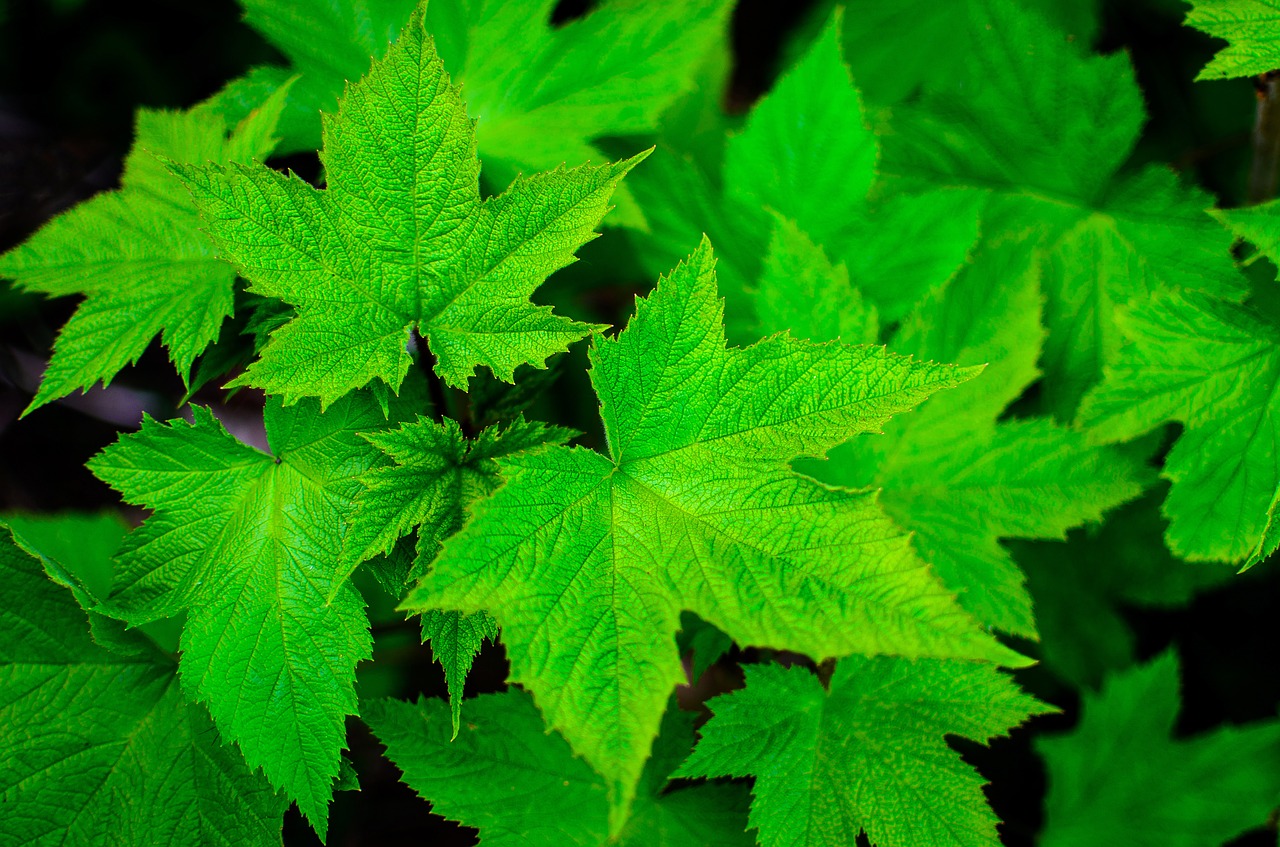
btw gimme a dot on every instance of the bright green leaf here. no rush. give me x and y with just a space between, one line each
437 475
587 560
521 785
138 255
534 114
1213 366
1046 127
250 546
1251 26
898 47
800 290
957 477
1081 588
869 755
401 239
807 155
327 43
101 748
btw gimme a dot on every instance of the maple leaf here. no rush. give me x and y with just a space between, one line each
870 754
437 475
1212 365
1120 777
953 473
1046 127
138 255
1250 26
587 560
521 785
810 130
249 545
534 114
99 746
401 239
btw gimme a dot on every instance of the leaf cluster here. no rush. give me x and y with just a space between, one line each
892 425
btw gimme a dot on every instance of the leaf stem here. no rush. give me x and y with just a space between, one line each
435 385
1266 139
826 668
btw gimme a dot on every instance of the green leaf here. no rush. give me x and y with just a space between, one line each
959 478
1046 127
1081 588
544 110
82 545
400 240
534 114
1213 366
869 755
434 476
898 47
437 475
101 748
813 114
1029 110
455 640
800 290
1249 26
807 155
520 784
326 43
587 560
138 255
1260 225
250 546
701 643
1120 778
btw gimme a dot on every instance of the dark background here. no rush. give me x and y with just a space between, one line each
73 71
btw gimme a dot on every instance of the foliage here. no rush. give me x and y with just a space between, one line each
1248 25
1121 778
889 429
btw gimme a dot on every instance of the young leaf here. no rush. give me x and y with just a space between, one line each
250 546
1046 127
1120 778
1211 365
401 239
138 255
587 560
1250 26
868 755
956 476
101 747
806 154
455 640
437 475
521 785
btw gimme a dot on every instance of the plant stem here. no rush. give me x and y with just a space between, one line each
826 668
435 386
1266 139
